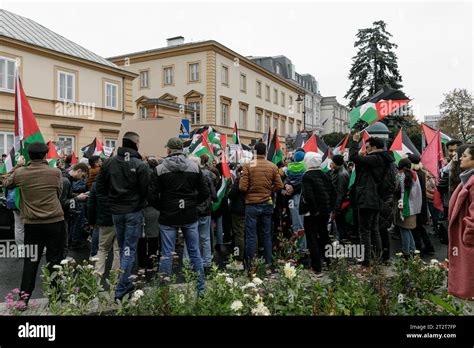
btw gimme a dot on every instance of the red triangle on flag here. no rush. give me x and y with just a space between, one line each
52 153
397 144
25 121
432 157
98 145
74 158
311 145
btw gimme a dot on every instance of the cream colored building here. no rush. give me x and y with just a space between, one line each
220 85
75 94
334 116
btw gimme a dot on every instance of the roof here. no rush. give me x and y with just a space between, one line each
26 30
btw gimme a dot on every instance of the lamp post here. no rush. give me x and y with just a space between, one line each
299 99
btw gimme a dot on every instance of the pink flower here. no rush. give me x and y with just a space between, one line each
16 291
20 305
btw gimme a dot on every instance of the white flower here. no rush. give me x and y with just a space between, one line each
133 277
289 270
58 267
434 262
64 262
417 252
271 295
248 285
94 259
257 281
399 254
261 309
229 280
236 305
72 299
258 299
90 266
136 295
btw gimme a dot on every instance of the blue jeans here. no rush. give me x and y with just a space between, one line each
218 231
254 212
204 228
128 228
95 241
191 238
408 243
297 219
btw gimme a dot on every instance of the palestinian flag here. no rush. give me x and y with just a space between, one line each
226 179
432 159
381 104
402 146
201 146
352 179
316 144
412 197
52 156
94 149
275 154
235 135
326 162
363 148
9 162
430 133
26 127
341 147
74 159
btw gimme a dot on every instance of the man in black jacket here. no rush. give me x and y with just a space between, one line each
340 180
177 187
124 180
371 169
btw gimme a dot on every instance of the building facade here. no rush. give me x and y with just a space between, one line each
219 85
309 88
433 120
334 116
75 94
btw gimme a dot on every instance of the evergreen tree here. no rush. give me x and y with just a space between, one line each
375 64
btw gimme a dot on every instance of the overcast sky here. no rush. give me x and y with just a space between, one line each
435 39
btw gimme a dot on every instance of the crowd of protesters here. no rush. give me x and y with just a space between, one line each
110 206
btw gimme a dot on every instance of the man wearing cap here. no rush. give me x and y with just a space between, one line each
177 186
40 188
124 179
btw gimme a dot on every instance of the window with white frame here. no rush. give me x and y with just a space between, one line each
292 128
243 83
144 79
196 114
66 86
7 74
168 75
242 118
65 144
224 114
6 142
275 123
282 99
275 96
267 123
267 92
259 89
282 126
258 121
143 112
193 72
225 75
111 95
110 142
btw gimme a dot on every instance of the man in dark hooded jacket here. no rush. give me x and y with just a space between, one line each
371 167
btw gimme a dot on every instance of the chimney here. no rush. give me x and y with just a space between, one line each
174 41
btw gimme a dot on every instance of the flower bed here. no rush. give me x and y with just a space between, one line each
412 287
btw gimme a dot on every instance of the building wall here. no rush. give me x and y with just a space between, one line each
85 119
334 116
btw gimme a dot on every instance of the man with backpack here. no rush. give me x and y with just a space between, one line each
371 168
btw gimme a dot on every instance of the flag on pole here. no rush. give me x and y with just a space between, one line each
235 135
94 149
226 179
201 146
316 144
432 160
9 162
74 158
298 141
381 104
341 146
52 156
429 133
326 161
26 127
275 154
402 146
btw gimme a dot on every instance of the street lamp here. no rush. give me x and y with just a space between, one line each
299 99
